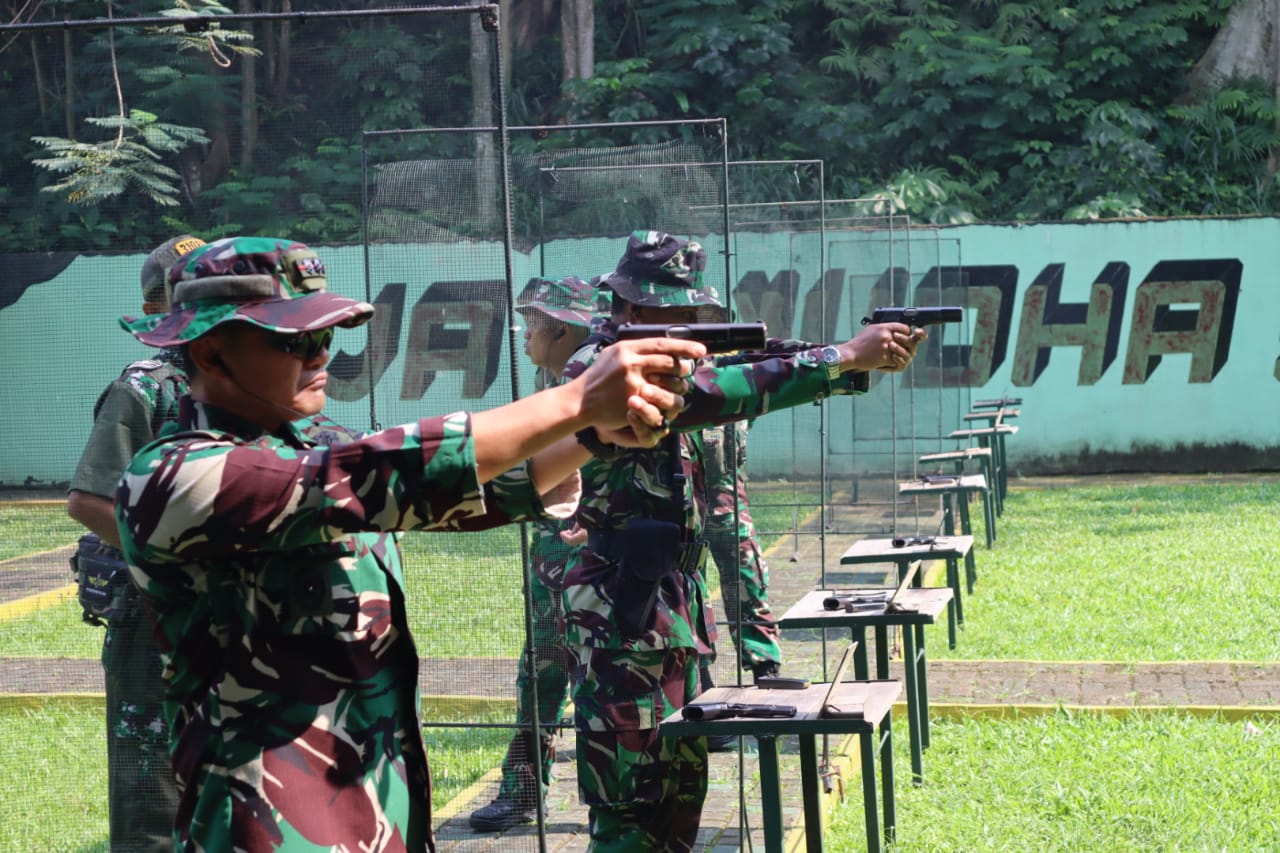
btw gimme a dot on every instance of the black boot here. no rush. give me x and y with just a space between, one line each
506 811
517 795
765 669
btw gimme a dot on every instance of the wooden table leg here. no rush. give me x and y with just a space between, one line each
771 794
922 682
867 750
886 778
915 714
966 527
812 794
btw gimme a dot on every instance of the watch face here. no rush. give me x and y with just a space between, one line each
831 358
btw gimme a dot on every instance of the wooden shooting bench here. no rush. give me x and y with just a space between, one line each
961 488
876 699
916 608
949 548
960 458
992 436
998 403
992 416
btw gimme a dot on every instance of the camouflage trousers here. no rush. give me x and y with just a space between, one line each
744 586
142 796
552 663
643 792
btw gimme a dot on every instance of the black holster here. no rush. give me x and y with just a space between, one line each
648 550
645 551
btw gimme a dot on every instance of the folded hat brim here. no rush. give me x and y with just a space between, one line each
658 295
572 316
186 322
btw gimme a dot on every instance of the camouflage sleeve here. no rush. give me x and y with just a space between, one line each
725 390
121 427
193 495
512 496
546 543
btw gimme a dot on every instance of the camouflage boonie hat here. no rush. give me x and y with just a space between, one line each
604 296
272 283
155 269
661 271
570 299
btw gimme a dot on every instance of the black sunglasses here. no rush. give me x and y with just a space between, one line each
303 345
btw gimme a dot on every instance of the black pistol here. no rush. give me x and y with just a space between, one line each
717 337
916 316
724 710
851 601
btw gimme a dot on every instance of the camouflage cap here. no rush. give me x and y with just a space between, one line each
570 299
155 268
604 296
660 271
273 283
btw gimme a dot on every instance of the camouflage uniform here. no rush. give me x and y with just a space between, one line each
646 792
744 574
571 301
128 414
552 663
276 584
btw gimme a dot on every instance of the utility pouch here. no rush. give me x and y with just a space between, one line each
693 556
647 551
102 576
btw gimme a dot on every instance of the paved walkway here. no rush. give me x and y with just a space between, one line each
796 568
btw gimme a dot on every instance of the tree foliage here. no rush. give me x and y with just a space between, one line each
949 110
1024 110
131 159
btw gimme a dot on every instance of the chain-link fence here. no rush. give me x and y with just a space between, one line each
439 226
270 109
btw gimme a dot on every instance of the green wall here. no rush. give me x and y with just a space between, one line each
1136 345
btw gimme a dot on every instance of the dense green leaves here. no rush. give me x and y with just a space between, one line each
129 160
1026 110
947 111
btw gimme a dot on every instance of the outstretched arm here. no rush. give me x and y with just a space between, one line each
632 383
884 346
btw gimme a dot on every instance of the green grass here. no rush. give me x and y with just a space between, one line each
460 756
1082 573
1121 573
54 788
1067 782
31 527
56 632
464 593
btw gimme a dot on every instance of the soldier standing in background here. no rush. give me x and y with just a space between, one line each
141 797
558 317
735 549
263 539
635 594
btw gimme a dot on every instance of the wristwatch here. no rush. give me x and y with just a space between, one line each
831 359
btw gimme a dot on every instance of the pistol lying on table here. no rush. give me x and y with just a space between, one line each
851 601
724 710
